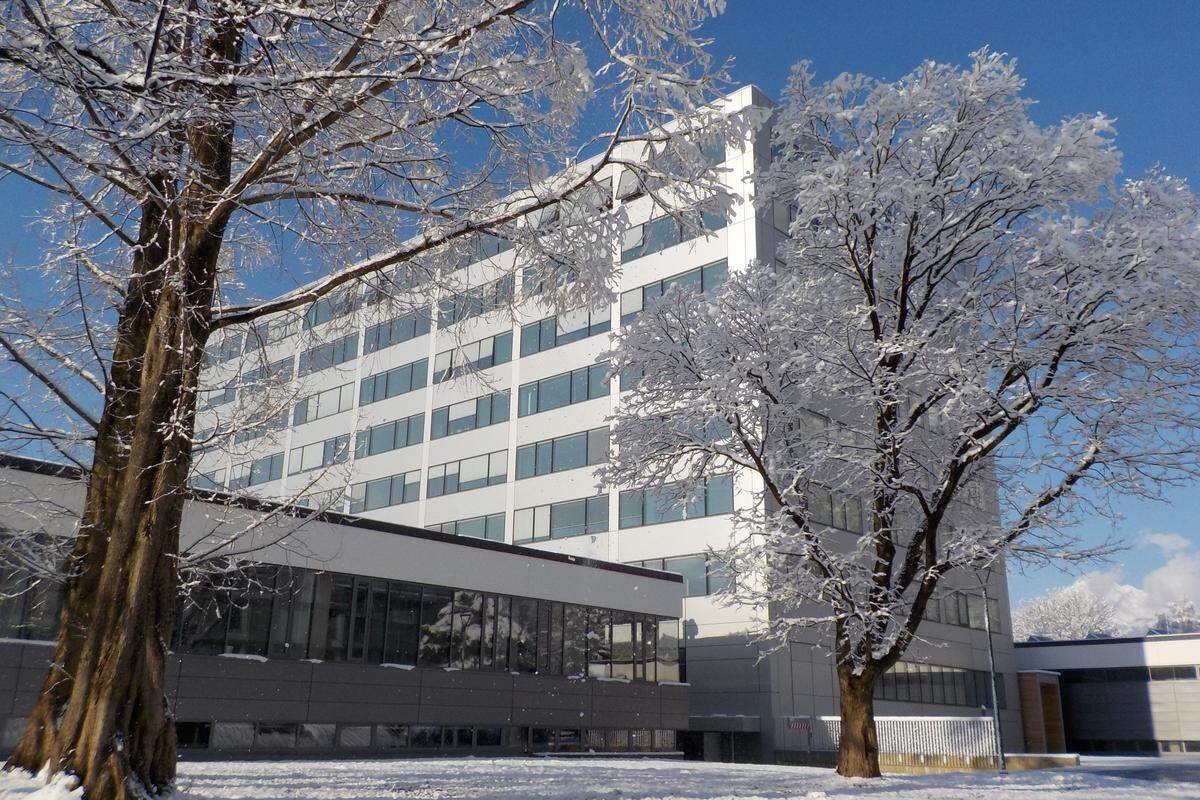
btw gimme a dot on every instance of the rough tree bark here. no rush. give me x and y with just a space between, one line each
858 746
102 714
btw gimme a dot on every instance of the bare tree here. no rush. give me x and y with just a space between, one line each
971 338
1072 612
186 149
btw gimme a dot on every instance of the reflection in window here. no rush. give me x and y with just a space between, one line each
561 520
562 390
394 331
670 503
563 453
701 279
489 469
469 415
662 232
390 436
489 352
490 527
391 490
393 382
565 328
328 355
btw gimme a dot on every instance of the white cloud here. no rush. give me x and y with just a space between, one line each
1167 542
1138 606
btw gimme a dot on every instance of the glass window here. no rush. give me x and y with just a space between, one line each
622 645
570 452
467 633
425 736
599 643
437 609
568 327
568 519
564 453
629 508
393 382
523 637
694 571
667 650
403 624
274 736
469 415
232 735
354 736
488 469
391 737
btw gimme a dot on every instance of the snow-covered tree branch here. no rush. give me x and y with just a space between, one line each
191 151
973 336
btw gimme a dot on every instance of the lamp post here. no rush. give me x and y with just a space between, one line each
1001 764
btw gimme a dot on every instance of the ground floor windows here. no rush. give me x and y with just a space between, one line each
292 613
283 736
930 683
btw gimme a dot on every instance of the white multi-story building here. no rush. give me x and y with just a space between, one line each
506 451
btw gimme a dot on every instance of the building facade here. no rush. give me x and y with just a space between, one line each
1133 695
482 415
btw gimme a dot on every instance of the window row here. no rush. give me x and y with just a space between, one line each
262 427
672 502
394 331
490 527
964 609
666 231
329 354
570 326
323 404
488 352
273 373
700 280
390 436
701 575
319 455
561 390
275 736
392 490
465 474
563 453
561 520
908 682
479 412
393 382
583 449
1186 672
260 470
475 302
836 510
291 613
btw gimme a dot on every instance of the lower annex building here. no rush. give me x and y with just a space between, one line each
355 637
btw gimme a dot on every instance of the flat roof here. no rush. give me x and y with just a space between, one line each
1157 637
50 468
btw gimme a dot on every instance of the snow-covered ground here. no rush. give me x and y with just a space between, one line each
615 779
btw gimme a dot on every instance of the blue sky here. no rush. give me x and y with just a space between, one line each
1136 62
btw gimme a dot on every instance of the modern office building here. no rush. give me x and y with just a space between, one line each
356 636
482 415
1130 695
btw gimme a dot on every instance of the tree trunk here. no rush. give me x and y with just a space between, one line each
102 714
858 747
